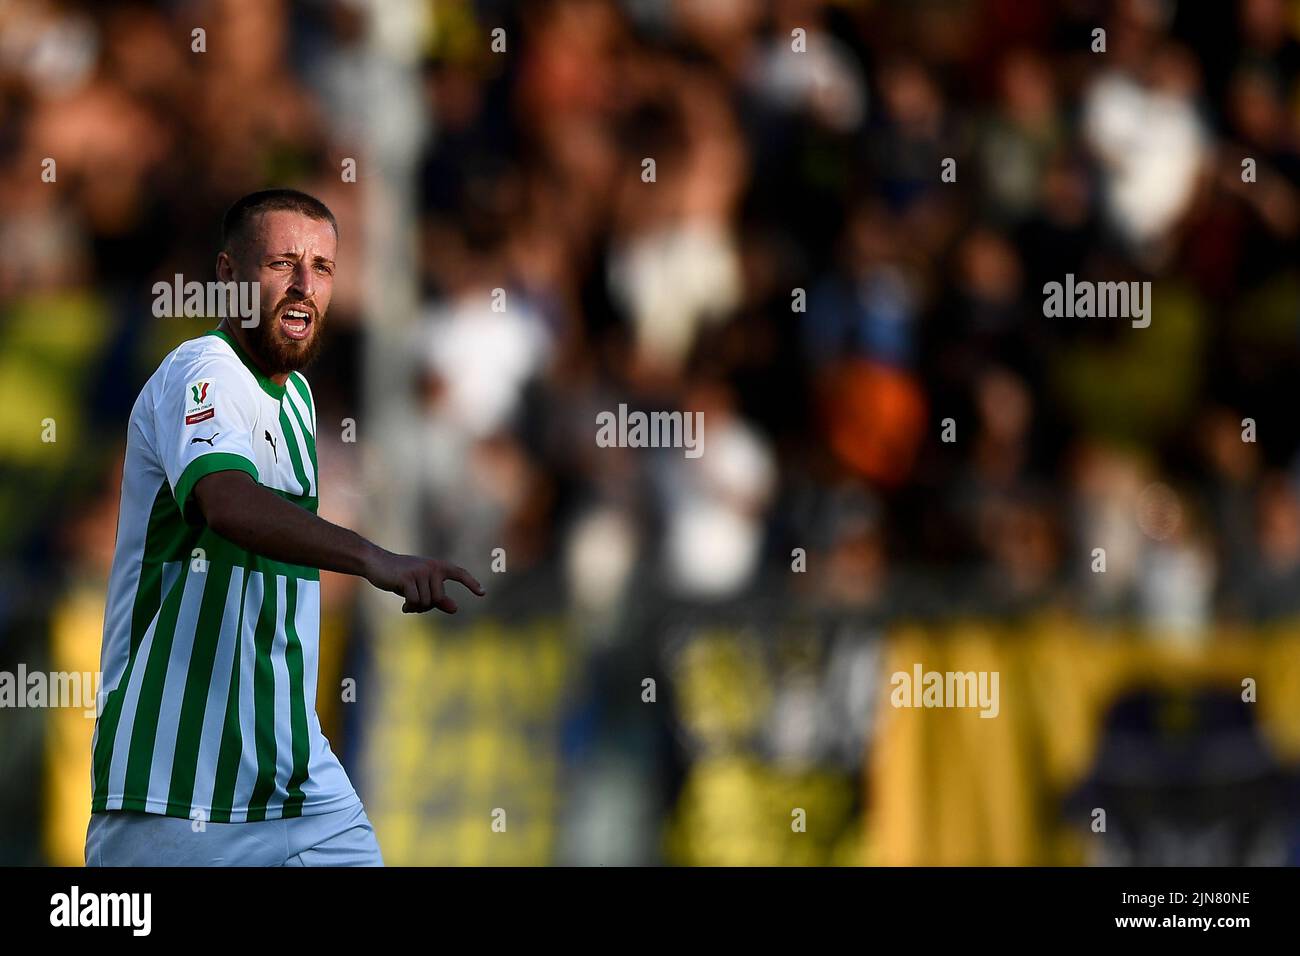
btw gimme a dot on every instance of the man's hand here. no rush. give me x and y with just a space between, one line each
417 579
259 520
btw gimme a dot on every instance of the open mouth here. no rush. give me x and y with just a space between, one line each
296 323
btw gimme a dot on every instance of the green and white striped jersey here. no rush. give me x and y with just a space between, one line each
208 697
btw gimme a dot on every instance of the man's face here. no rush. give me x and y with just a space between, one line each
291 256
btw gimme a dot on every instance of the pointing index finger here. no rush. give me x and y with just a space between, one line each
455 573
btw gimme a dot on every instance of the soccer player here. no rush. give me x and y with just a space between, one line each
207 748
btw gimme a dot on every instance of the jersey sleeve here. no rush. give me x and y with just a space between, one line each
205 418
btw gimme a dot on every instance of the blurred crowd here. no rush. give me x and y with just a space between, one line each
893 428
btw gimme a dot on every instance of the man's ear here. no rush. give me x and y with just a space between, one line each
225 267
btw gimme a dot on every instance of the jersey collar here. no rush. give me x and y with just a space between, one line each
268 386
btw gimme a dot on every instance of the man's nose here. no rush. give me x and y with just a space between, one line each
304 282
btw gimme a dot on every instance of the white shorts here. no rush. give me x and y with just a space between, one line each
129 838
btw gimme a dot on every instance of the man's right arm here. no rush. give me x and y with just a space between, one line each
258 520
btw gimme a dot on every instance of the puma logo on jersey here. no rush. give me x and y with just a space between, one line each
267 436
198 438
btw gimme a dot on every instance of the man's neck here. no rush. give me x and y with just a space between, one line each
229 328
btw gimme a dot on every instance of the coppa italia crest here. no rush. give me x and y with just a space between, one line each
198 405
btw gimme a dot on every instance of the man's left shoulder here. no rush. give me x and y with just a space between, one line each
299 382
302 400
